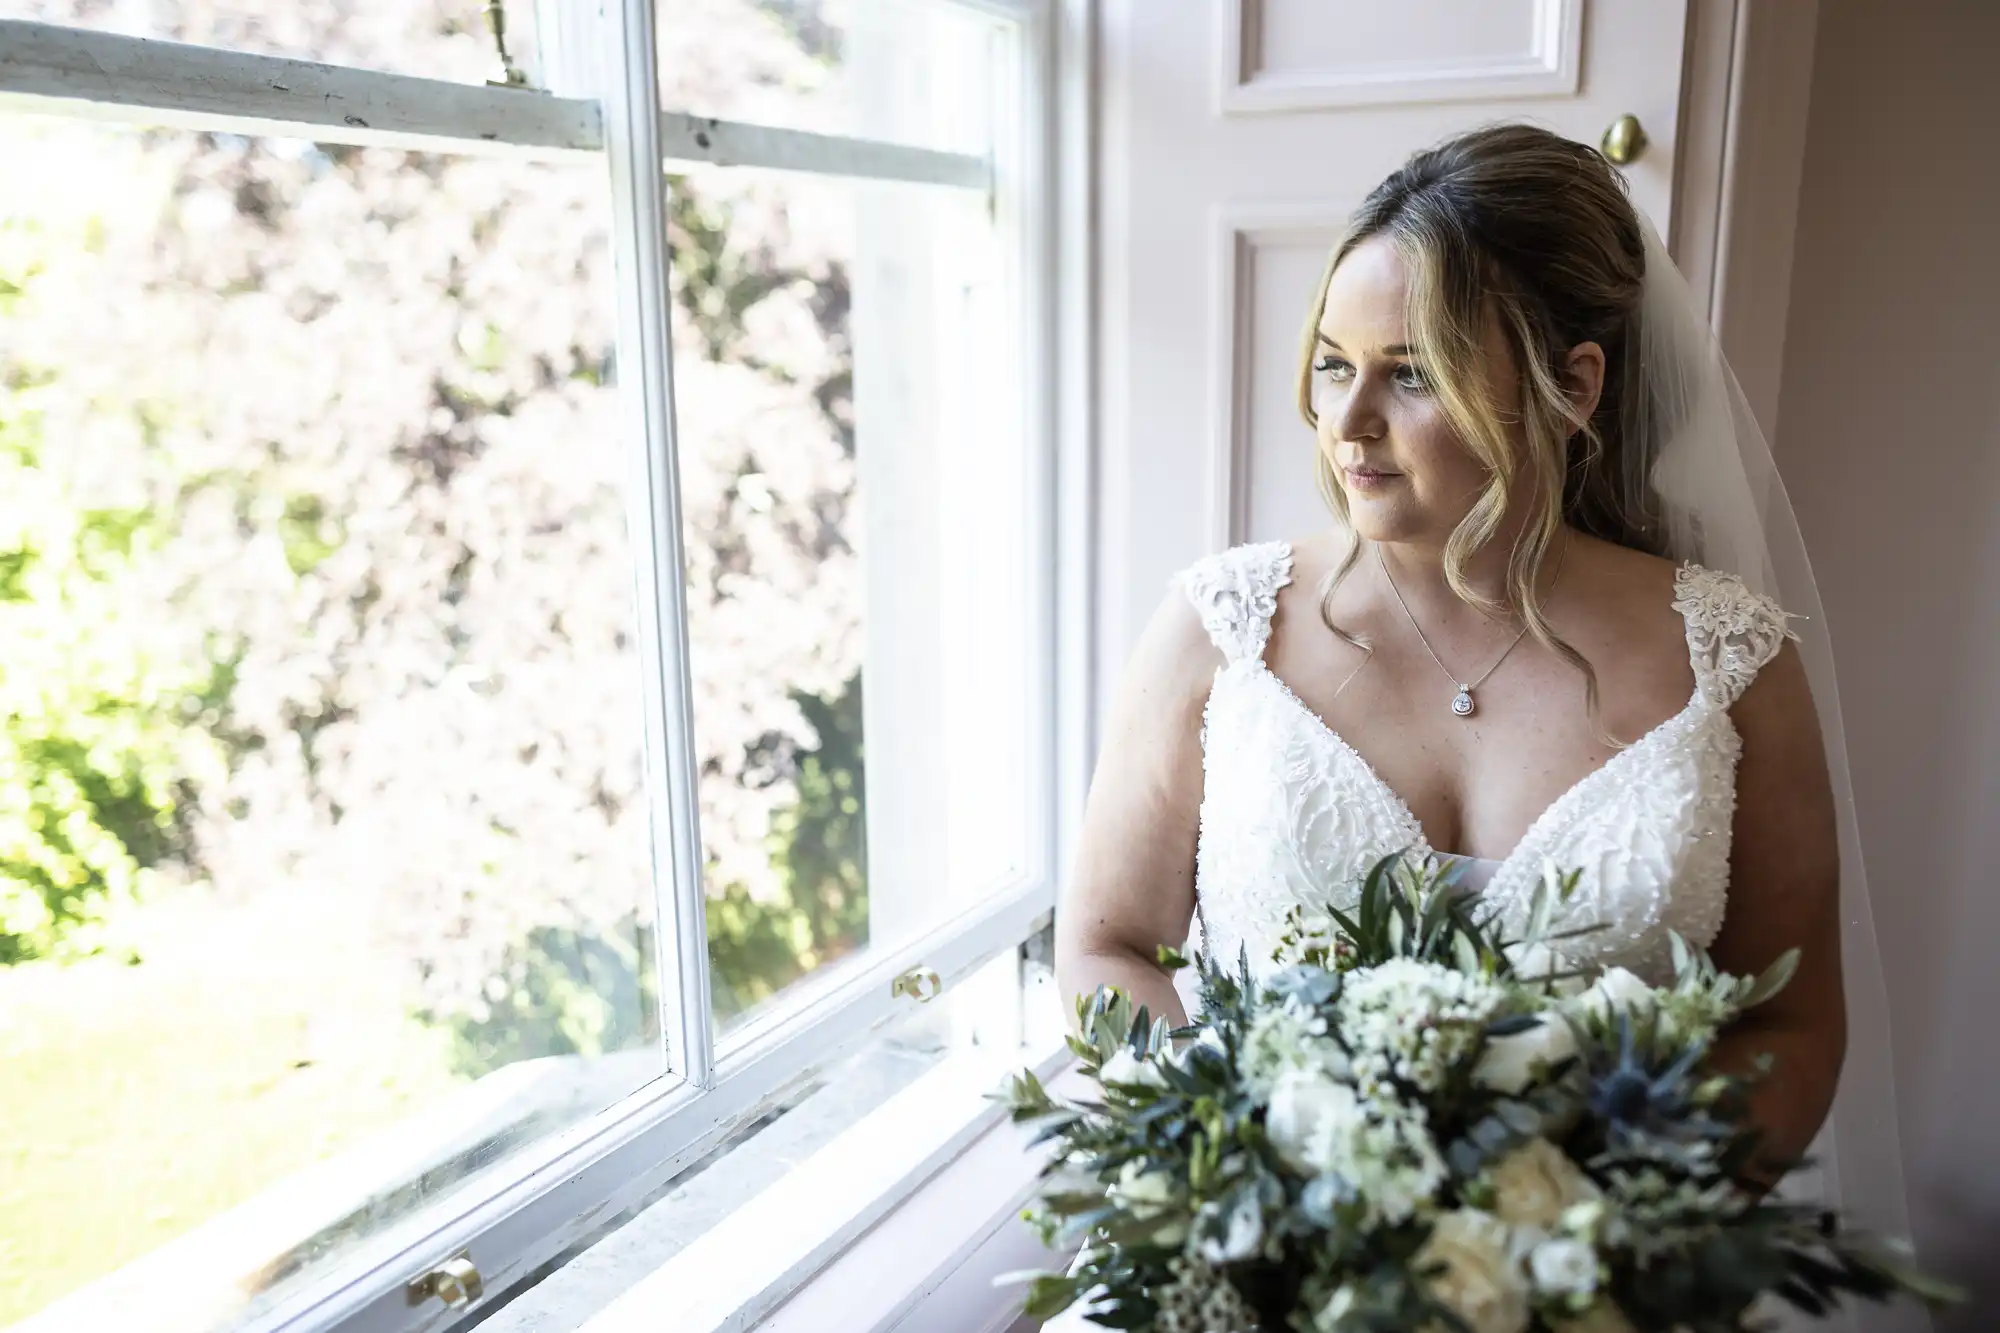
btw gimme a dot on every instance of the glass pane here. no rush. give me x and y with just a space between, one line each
856 490
908 71
437 39
323 852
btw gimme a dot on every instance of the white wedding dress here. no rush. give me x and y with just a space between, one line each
1292 815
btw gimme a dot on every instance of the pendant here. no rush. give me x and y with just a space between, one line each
1461 704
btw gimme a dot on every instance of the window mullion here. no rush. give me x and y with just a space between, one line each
645 376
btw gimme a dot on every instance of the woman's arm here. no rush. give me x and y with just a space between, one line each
1784 893
1132 889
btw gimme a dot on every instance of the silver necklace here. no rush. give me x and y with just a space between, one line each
1462 704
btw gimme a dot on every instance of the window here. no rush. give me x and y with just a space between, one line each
515 657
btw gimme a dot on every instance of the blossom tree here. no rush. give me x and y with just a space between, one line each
371 629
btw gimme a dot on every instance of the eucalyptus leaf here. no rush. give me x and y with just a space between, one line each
1773 980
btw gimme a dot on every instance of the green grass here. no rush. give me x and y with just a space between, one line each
137 1102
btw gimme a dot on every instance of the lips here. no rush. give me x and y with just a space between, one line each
1367 478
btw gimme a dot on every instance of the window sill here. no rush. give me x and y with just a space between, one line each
913 1208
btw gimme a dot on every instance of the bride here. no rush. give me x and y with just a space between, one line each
1541 628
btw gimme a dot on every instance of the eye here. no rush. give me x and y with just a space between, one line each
1411 377
1334 369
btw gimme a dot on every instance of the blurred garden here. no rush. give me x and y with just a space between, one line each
321 788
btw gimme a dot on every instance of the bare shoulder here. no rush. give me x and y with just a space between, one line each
1777 712
1316 558
1175 660
1629 588
1616 607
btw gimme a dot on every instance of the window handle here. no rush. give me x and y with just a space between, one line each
919 983
456 1282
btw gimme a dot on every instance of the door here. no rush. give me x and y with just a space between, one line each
1236 135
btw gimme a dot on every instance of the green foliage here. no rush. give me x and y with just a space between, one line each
563 992
98 757
819 844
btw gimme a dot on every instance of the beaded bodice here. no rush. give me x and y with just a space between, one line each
1291 814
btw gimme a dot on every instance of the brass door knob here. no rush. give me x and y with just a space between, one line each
1624 141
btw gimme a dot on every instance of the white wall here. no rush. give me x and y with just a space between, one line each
1889 437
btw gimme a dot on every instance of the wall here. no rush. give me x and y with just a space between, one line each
1889 436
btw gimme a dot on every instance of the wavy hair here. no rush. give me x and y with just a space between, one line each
1516 223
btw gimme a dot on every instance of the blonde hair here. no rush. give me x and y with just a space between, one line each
1537 230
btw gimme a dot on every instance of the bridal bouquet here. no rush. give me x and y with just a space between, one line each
1417 1125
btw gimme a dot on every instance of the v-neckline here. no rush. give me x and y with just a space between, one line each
1535 831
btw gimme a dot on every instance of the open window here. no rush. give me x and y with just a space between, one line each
530 577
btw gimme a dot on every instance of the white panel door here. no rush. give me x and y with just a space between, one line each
1236 136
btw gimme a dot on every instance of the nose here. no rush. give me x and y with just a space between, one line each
1350 412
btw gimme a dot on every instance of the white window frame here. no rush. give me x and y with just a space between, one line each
556 1190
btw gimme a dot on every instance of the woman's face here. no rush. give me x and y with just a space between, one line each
1407 473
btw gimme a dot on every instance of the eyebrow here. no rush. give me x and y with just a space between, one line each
1399 349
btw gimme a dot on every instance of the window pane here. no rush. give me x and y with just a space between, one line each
323 851
908 71
437 39
856 496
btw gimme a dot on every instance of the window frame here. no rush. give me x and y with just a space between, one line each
1036 182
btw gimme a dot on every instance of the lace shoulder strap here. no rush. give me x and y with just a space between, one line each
1731 631
1236 594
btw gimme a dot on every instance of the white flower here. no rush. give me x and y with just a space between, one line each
1563 1268
1413 1021
1137 1187
1128 1070
1149 1196
1509 1064
1312 1121
1614 992
1395 1166
1383 1149
1535 1184
1478 1279
1288 1038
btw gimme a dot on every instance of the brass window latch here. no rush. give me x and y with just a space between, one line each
919 983
456 1282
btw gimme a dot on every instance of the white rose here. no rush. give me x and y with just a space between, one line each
1563 1268
1617 990
1311 1113
1130 1071
1510 1063
1534 1184
1479 1280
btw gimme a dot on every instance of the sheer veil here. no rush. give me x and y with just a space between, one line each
1726 508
